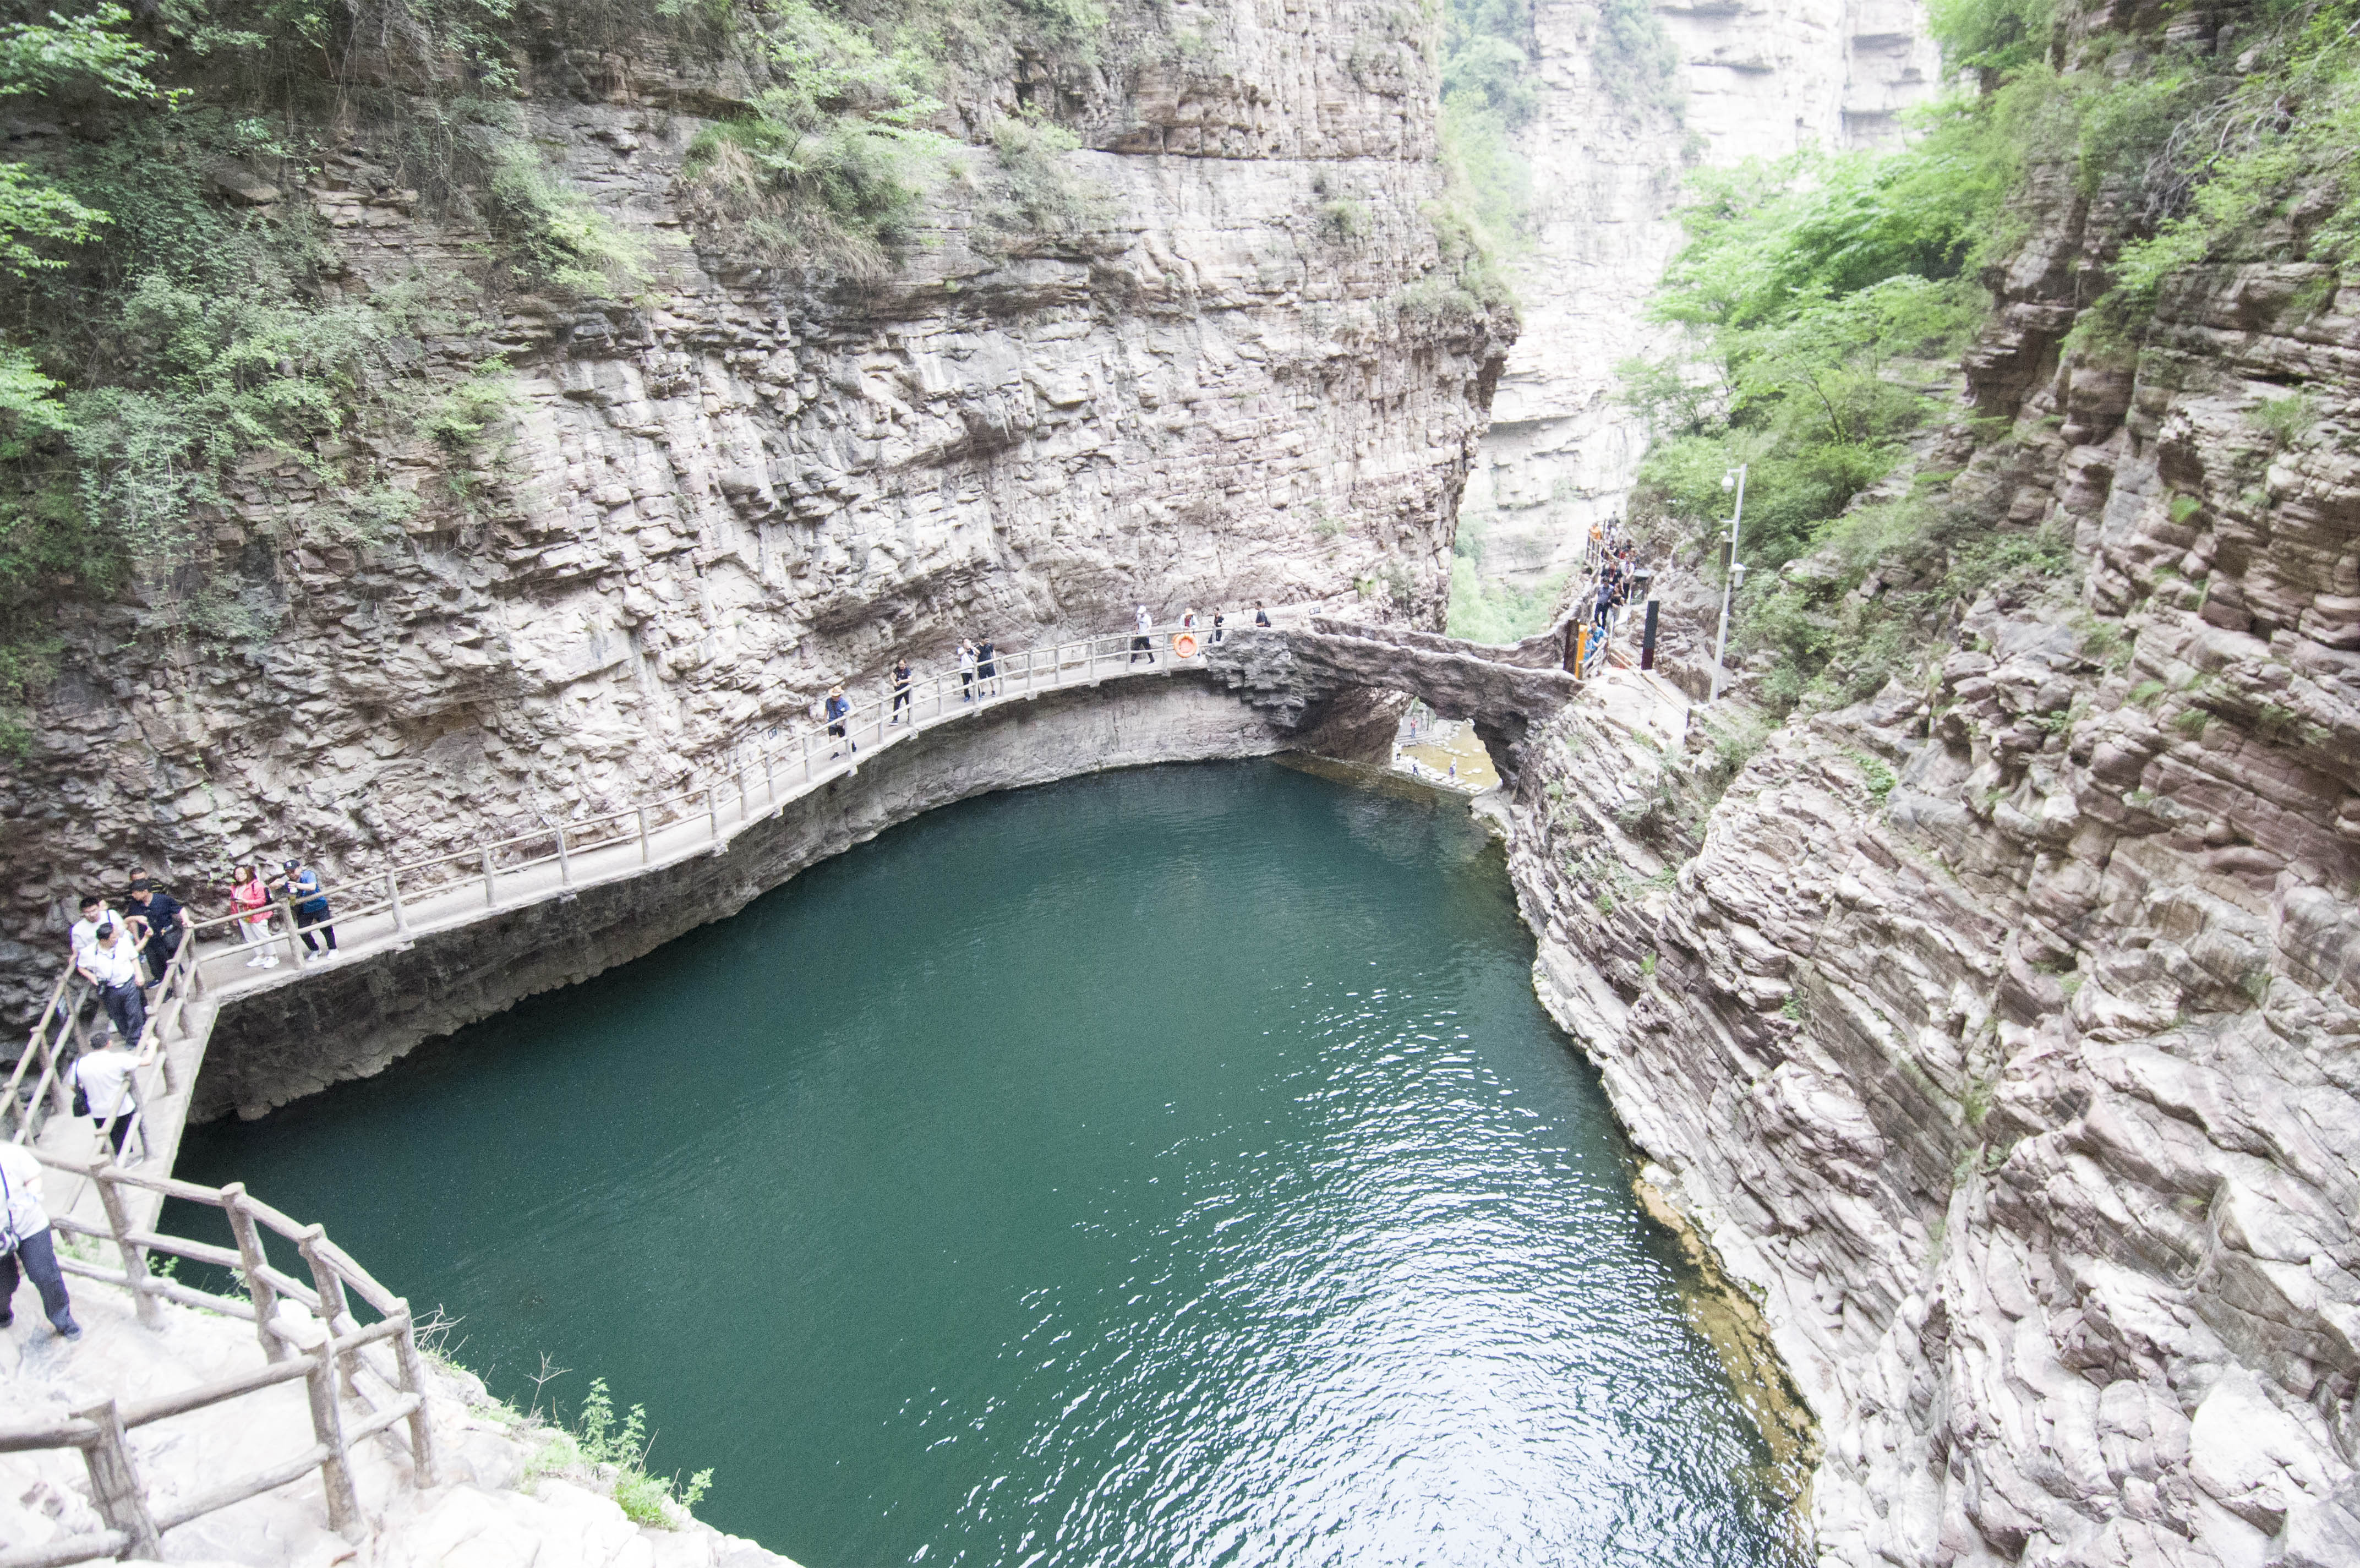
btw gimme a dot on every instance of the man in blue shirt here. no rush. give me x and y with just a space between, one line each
300 885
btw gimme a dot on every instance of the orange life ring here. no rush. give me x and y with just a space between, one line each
1184 644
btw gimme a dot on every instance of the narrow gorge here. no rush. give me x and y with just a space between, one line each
429 426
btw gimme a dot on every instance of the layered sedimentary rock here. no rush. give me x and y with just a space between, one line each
2002 1031
715 501
1609 153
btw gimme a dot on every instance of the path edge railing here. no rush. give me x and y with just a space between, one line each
339 1364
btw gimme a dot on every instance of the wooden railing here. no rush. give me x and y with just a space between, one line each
338 1364
65 1019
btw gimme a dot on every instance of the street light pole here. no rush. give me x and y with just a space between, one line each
1729 579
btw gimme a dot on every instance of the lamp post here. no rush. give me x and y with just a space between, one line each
1735 478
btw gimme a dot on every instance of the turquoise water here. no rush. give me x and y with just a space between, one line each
1171 1167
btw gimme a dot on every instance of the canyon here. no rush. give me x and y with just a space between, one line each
1994 1031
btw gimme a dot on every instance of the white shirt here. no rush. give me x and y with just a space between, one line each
116 965
84 934
20 1185
104 1079
1144 624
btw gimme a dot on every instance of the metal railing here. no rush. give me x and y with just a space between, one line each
337 1365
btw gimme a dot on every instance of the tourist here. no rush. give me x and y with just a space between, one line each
837 708
1188 620
106 1093
25 1235
1261 617
301 886
251 898
1219 621
84 931
987 667
1142 623
966 670
160 921
110 964
900 687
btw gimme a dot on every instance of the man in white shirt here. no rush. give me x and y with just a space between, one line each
25 1235
112 966
84 932
1141 643
105 1078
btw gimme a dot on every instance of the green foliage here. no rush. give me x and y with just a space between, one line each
553 237
1992 37
2241 155
1490 90
1048 194
2283 418
69 57
830 168
1490 610
1634 58
645 1499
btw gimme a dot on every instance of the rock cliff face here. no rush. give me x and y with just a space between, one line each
1761 80
2000 1033
714 502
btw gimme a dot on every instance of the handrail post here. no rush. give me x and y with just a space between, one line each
115 1484
423 1472
335 1311
134 1258
713 812
644 851
807 754
328 1427
769 780
251 1262
745 798
294 949
491 888
564 860
393 897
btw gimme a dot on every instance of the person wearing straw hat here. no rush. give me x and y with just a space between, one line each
104 1084
25 1242
837 708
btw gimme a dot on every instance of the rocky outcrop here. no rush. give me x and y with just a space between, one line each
709 504
2001 1031
1609 155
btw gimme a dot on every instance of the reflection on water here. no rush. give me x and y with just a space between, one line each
1167 1168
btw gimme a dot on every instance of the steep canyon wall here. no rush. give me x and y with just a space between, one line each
2001 1030
1753 81
713 500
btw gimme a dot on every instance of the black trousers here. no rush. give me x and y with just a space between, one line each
114 1132
40 1260
1140 645
128 1007
314 916
900 699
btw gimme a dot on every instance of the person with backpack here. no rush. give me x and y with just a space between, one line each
901 688
106 1092
299 885
27 1247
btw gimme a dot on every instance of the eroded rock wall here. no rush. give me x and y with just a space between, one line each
2005 1032
716 500
1760 80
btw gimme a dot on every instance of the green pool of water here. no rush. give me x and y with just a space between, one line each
1168 1168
